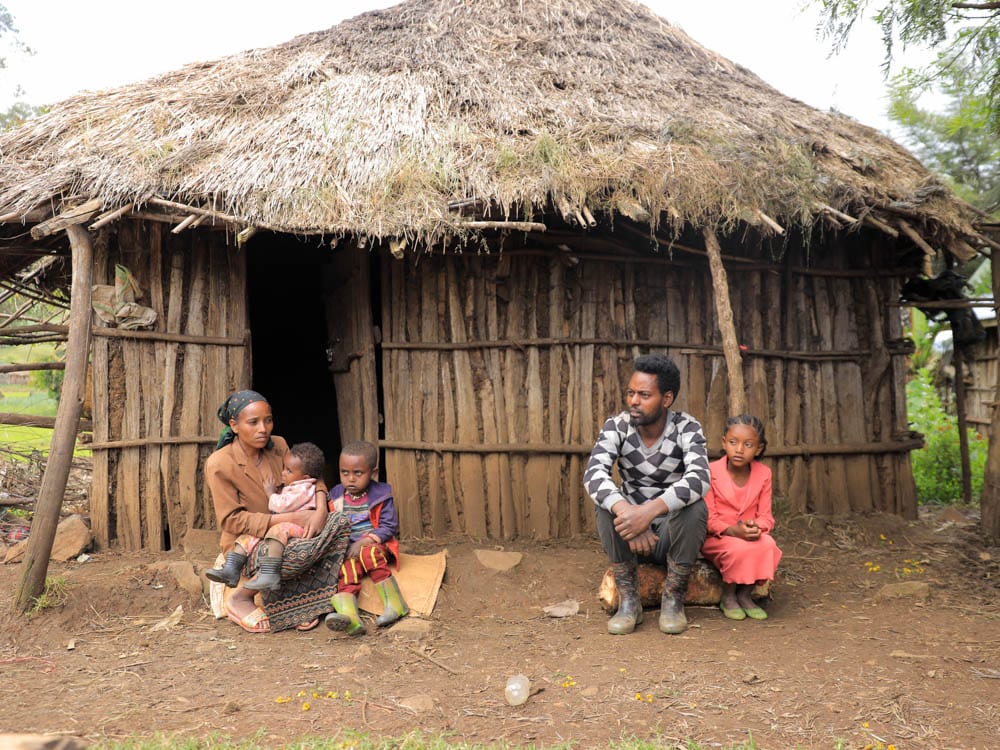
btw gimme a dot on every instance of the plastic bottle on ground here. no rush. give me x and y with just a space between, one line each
517 690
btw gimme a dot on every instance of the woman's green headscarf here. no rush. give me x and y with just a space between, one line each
230 409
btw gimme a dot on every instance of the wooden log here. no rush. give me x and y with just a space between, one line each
880 225
401 466
187 209
835 213
172 321
177 338
430 422
704 586
555 397
191 219
128 500
470 467
68 218
100 481
514 367
990 496
53 486
153 355
775 226
730 343
519 226
30 420
108 216
191 407
830 387
32 366
963 427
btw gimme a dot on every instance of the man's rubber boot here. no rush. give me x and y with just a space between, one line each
392 599
346 616
268 577
230 571
629 612
672 617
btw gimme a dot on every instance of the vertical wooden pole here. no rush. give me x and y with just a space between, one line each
724 309
50 494
963 428
990 500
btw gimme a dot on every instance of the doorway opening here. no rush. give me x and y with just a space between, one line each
289 339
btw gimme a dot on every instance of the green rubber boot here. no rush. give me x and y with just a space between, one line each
392 599
629 612
346 617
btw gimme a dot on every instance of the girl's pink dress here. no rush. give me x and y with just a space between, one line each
738 560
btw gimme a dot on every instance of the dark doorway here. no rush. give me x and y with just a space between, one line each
289 340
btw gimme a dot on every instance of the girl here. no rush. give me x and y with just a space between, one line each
739 542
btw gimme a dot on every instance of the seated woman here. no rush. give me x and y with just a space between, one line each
248 459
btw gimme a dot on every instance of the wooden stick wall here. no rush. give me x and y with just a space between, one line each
448 403
155 400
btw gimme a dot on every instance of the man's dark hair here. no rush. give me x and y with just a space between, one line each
668 376
312 458
364 449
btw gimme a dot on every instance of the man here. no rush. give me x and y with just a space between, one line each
657 514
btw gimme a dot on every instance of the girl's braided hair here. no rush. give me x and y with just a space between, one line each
752 422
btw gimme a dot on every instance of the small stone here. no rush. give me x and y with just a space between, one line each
567 608
420 703
410 629
72 538
182 572
917 590
498 560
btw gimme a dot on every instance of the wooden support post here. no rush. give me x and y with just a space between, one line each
53 487
724 309
989 501
963 425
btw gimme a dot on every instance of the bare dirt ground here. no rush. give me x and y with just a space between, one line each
835 662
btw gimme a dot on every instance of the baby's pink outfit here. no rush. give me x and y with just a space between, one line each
299 495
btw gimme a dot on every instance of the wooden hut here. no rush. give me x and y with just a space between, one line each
450 227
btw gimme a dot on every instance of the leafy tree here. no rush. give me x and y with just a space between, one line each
954 142
966 35
19 111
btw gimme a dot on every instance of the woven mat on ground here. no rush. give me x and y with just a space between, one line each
419 578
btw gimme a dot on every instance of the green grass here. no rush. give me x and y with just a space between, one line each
28 399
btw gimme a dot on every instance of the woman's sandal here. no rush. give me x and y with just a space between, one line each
255 622
305 626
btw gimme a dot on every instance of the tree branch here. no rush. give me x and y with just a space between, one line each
977 6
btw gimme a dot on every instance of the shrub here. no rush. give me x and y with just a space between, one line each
937 467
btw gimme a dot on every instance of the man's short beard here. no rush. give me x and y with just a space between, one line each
644 420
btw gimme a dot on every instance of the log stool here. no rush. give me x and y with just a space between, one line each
704 586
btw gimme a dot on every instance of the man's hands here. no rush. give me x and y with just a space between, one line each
632 524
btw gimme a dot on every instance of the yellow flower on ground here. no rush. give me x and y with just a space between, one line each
306 706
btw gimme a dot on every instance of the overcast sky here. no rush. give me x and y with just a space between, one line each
102 43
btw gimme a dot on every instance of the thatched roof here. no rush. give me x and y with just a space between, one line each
382 124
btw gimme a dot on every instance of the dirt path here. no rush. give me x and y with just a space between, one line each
834 662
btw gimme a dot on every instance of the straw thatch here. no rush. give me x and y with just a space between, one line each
375 126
